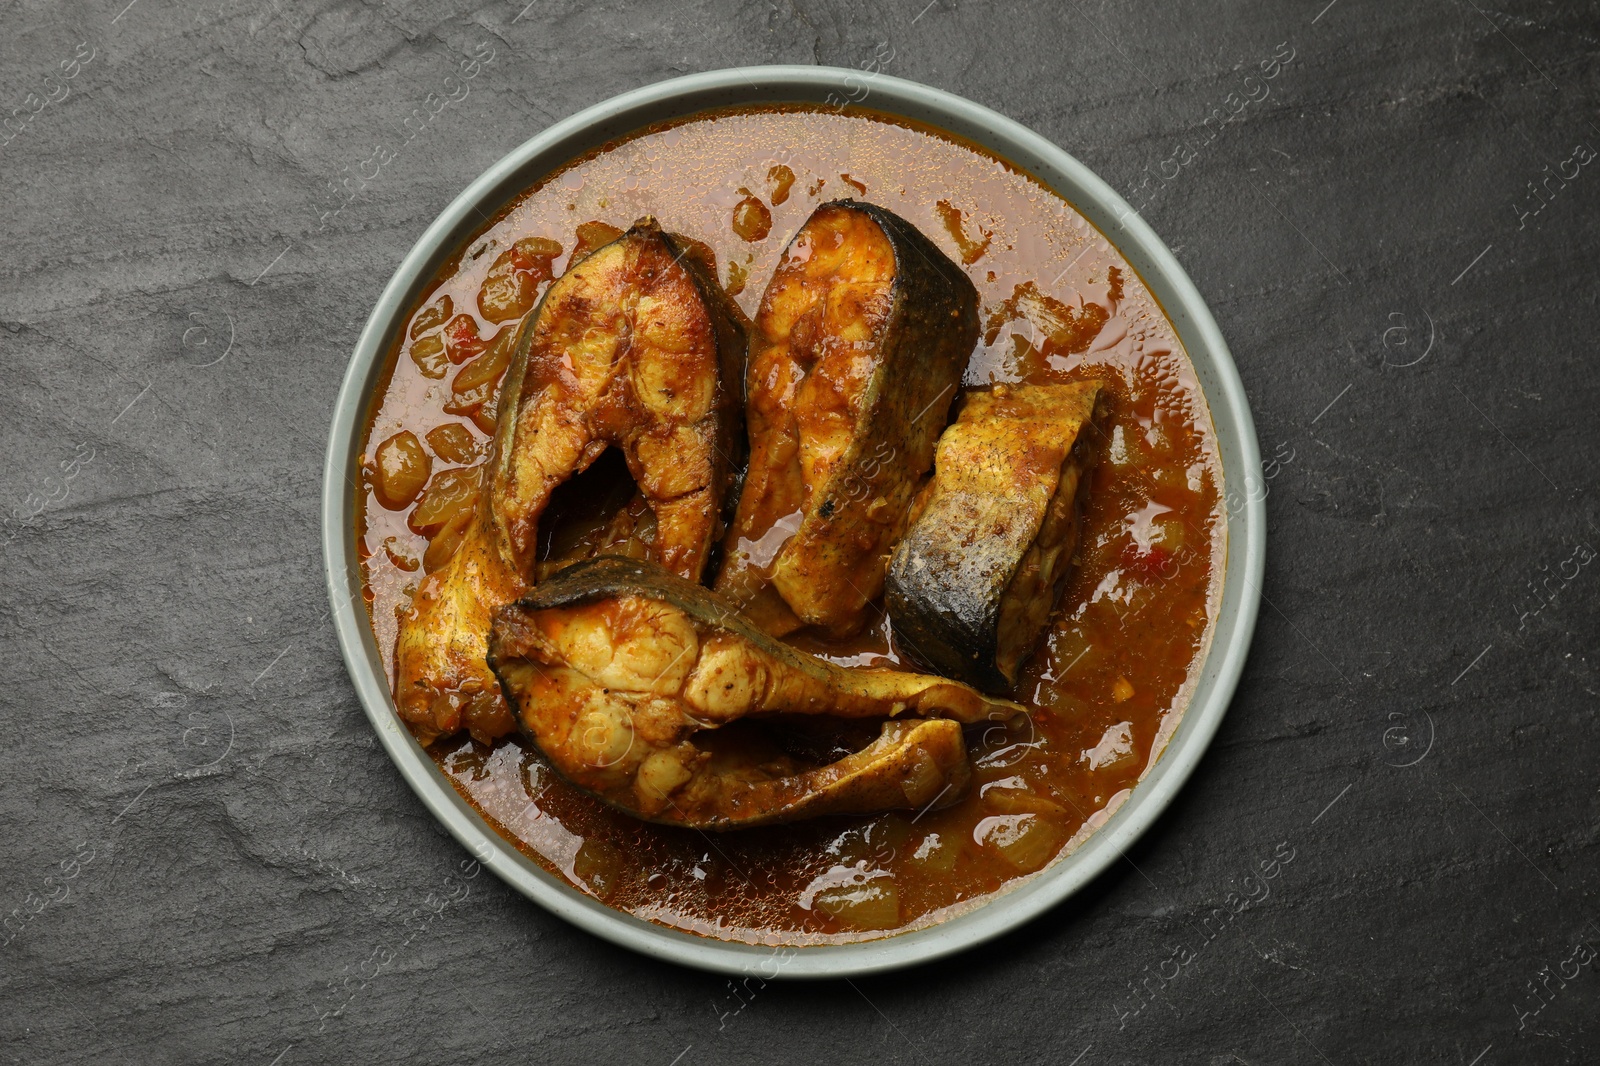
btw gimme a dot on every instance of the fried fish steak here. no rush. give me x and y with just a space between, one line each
635 347
634 682
857 351
973 583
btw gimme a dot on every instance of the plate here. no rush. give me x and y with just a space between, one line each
1096 201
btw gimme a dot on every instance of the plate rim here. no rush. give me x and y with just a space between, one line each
1091 196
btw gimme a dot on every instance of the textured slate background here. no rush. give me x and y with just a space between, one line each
225 847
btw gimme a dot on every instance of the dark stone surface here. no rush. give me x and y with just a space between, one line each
178 716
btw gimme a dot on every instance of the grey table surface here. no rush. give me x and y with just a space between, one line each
203 846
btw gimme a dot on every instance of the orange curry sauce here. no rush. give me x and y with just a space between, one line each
1059 304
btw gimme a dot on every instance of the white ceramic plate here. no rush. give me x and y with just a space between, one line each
1236 439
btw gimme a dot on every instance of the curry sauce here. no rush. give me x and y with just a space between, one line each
1058 304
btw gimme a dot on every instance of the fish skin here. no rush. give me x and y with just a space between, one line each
998 469
842 430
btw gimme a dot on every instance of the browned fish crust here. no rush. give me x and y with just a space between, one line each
627 677
857 352
973 583
635 347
